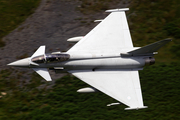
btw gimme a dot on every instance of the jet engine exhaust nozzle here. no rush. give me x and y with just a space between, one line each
149 61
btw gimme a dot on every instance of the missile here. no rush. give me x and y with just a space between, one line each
113 104
87 90
98 20
75 39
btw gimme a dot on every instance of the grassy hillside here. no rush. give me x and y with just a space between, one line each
13 13
152 20
160 86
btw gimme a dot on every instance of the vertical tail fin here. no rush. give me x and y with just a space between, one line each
148 49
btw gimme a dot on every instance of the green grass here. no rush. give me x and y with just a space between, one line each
151 21
160 86
13 13
94 6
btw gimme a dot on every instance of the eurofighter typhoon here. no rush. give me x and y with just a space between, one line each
104 58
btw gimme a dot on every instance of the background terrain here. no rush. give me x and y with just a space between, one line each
27 24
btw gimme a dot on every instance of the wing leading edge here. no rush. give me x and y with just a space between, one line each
121 85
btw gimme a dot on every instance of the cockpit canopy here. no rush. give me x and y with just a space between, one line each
49 58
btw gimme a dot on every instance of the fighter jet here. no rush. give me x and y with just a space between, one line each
104 58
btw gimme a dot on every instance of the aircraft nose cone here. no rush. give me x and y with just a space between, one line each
20 63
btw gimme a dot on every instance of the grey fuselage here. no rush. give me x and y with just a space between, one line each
96 62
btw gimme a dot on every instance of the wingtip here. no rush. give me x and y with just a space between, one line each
48 79
136 108
117 10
